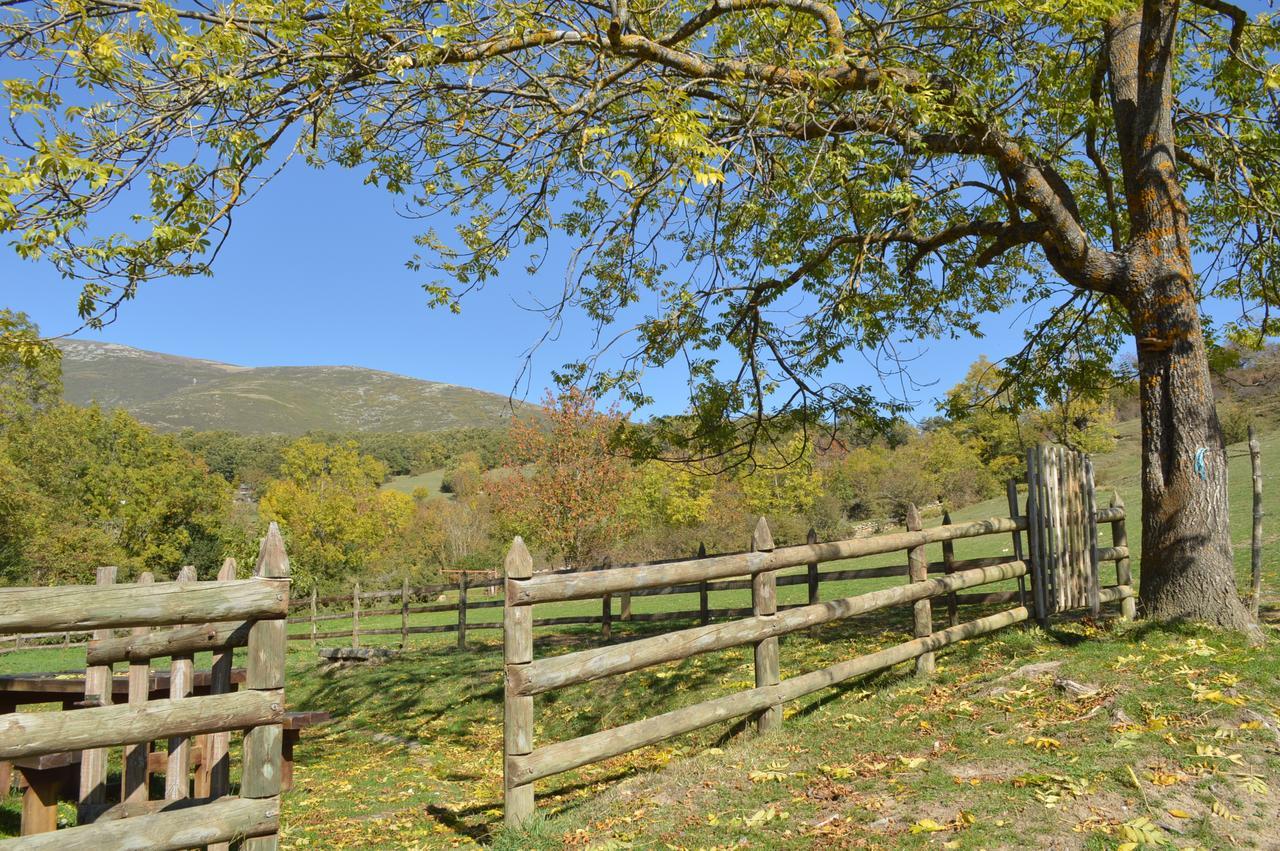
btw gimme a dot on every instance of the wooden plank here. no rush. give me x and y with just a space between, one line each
517 722
1035 541
40 800
764 603
1091 528
97 690
548 588
135 776
216 767
25 734
262 773
78 607
594 663
1255 559
181 671
564 756
147 644
187 827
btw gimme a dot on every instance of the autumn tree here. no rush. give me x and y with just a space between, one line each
786 181
331 511
566 501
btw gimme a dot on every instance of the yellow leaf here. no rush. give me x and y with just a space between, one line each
1179 813
927 825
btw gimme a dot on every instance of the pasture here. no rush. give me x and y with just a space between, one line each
1173 736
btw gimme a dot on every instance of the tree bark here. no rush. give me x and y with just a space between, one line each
1187 567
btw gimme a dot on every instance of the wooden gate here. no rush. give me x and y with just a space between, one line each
1062 530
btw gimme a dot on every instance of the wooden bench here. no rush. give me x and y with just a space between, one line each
45 780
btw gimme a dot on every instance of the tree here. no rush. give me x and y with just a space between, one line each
567 502
792 182
30 368
331 511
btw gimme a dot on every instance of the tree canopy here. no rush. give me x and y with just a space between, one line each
755 189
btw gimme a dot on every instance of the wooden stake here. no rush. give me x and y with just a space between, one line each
812 567
704 608
263 772
1091 531
135 776
1255 461
313 616
1120 538
404 613
97 689
181 674
949 567
216 762
764 603
517 725
1011 490
355 615
918 568
462 610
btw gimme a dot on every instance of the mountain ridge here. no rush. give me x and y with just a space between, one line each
173 392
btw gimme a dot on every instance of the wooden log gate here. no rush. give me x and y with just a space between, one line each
217 616
1063 547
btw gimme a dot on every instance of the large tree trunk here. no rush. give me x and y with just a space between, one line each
1187 569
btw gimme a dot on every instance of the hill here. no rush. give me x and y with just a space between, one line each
172 393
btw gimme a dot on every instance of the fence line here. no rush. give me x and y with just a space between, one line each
761 626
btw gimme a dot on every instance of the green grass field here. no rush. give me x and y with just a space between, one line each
431 480
1174 749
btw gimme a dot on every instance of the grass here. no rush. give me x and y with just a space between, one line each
976 756
431 480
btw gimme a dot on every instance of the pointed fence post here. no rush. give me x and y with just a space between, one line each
1255 462
216 764
404 613
1091 542
135 776
263 772
949 567
462 610
764 602
918 568
355 615
517 722
811 539
704 603
1120 538
97 690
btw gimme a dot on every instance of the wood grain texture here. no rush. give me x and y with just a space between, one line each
922 609
135 775
97 690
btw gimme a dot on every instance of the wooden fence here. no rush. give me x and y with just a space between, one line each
198 616
761 626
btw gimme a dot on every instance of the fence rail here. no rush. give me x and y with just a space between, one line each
762 625
216 616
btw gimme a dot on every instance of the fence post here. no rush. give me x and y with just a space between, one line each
462 610
97 690
262 774
313 616
764 602
517 722
624 606
606 617
404 613
135 776
704 607
181 671
1120 538
355 614
949 567
1255 462
918 568
811 539
216 765
1011 489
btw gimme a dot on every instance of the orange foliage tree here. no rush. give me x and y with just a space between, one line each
565 485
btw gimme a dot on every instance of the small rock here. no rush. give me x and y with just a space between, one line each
1074 688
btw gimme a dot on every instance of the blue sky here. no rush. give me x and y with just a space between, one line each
314 274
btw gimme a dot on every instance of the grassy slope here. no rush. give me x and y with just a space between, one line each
171 392
414 760
430 480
